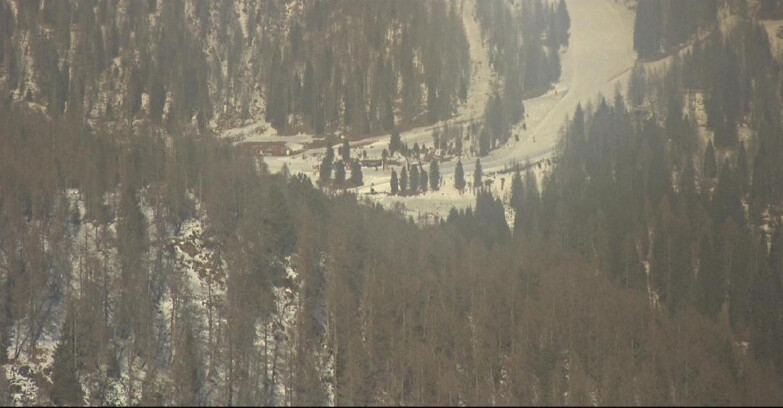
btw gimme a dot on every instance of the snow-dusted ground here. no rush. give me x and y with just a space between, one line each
599 57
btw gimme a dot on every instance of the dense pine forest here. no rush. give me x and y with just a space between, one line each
346 64
144 260
355 66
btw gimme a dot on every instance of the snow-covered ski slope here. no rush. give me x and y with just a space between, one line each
599 58
600 55
481 74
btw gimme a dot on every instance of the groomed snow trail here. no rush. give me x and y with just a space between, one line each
599 54
481 74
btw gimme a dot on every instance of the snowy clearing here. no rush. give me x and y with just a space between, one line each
598 59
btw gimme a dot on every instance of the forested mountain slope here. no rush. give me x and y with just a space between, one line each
202 279
341 63
674 191
145 261
360 67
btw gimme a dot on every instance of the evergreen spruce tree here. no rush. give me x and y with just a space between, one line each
404 180
423 179
319 117
346 151
329 151
552 32
66 388
459 176
563 22
395 187
414 180
308 90
325 170
477 175
356 174
554 66
434 174
388 115
531 207
339 173
637 85
512 98
395 143
187 365
484 142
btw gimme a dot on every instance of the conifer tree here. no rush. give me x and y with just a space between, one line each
308 90
532 203
459 176
395 187
325 171
637 85
187 364
339 173
388 115
346 151
66 388
404 180
554 67
552 32
434 174
329 151
484 142
356 174
477 175
424 179
414 179
563 22
395 143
